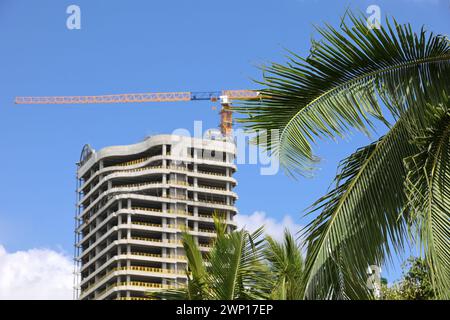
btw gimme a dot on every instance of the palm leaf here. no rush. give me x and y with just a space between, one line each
340 85
235 266
233 269
364 216
428 190
197 286
358 219
286 267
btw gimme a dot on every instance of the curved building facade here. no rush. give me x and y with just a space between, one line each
133 204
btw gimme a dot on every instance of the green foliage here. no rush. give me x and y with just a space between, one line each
416 283
394 198
395 188
345 238
240 265
427 187
232 270
340 86
286 268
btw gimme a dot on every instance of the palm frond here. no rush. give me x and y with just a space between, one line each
197 286
359 218
219 225
286 267
233 269
235 262
339 87
428 190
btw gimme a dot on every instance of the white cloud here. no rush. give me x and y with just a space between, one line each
35 274
272 227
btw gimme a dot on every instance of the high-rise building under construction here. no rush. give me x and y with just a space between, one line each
133 204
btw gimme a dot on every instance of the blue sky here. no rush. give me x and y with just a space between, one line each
142 46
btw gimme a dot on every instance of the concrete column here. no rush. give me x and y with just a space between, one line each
97 236
196 153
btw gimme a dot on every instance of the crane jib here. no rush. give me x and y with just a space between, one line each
142 97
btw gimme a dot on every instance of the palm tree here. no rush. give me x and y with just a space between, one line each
286 267
396 188
232 270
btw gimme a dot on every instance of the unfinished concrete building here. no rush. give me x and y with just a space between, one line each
133 204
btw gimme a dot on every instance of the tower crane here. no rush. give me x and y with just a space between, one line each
225 97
